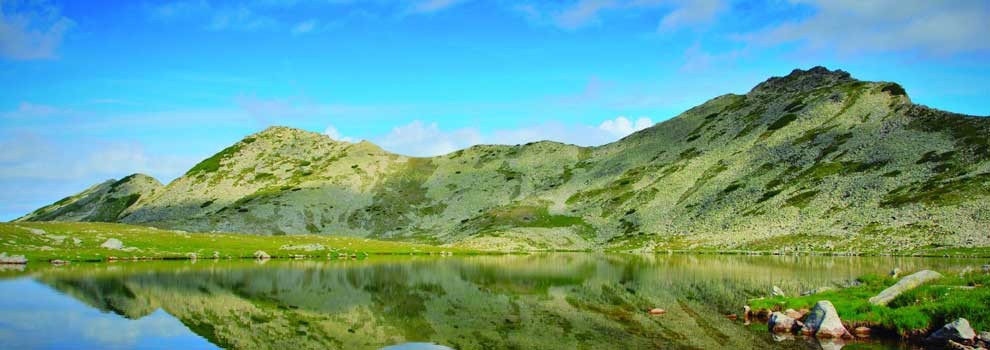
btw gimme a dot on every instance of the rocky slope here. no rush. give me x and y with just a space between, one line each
102 202
813 160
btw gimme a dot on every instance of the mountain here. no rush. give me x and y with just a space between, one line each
813 160
102 202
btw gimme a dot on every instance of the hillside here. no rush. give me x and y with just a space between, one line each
103 202
815 160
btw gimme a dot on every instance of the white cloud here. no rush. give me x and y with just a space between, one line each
852 26
31 32
692 12
304 27
622 126
335 134
582 13
423 139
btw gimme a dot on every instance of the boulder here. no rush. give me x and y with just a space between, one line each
112 243
823 322
781 323
958 331
905 284
776 292
261 255
12 259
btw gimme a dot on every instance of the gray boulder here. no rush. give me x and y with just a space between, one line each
905 284
823 322
958 331
780 323
112 243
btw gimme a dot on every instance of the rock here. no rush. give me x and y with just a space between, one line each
958 330
895 272
823 322
191 256
862 332
657 311
816 290
986 268
776 292
746 311
59 262
957 346
781 323
216 255
983 339
12 259
793 314
905 284
112 243
261 255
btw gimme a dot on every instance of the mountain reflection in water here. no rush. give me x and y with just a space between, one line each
553 301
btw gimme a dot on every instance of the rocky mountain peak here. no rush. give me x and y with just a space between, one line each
802 80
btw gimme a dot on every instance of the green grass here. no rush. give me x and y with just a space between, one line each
17 239
916 311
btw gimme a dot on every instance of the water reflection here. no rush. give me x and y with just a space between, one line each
560 301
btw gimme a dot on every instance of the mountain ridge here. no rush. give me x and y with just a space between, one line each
813 160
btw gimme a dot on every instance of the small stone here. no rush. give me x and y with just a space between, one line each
776 292
191 256
112 243
216 255
862 332
793 314
657 311
986 268
746 312
261 255
59 262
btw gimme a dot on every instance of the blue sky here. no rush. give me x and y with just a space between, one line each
100 89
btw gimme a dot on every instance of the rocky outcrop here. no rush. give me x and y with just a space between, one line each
905 284
12 259
823 322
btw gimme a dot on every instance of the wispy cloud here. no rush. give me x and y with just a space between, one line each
31 30
304 27
850 26
431 6
671 14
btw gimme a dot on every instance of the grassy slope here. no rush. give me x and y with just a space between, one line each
815 161
49 240
913 312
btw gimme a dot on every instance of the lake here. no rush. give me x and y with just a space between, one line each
547 301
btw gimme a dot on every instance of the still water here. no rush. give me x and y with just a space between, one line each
554 301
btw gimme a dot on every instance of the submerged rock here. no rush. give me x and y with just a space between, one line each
823 322
262 255
781 323
112 243
958 330
905 284
12 259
